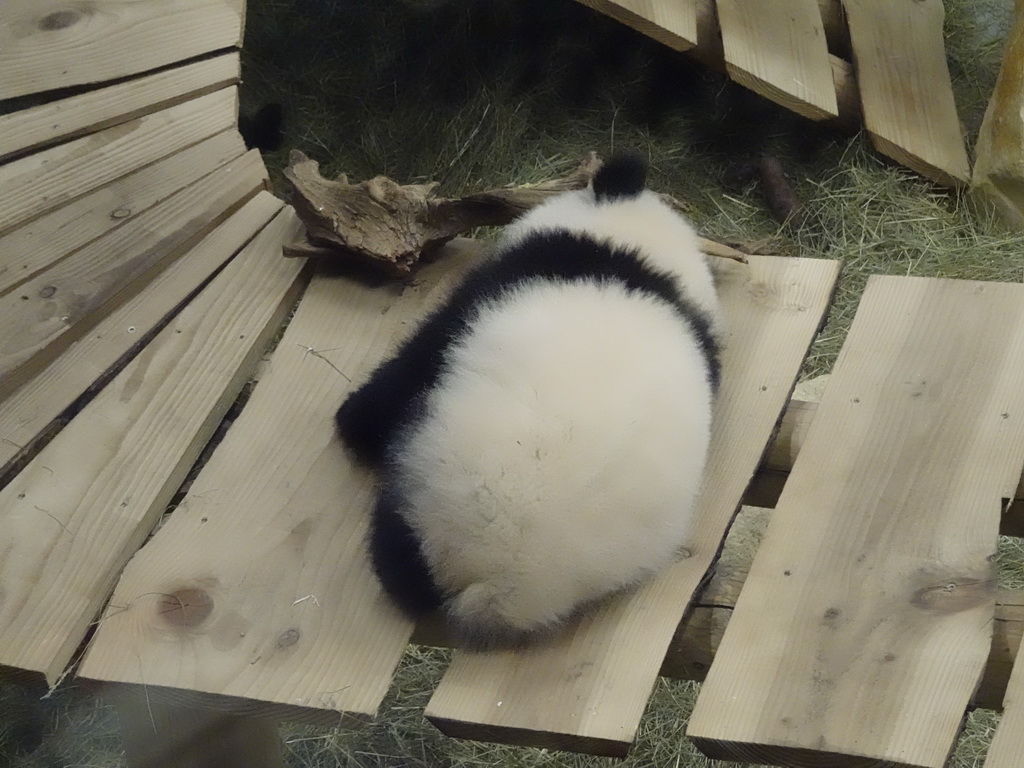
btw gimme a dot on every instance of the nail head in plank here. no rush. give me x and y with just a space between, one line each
780 53
45 180
587 688
271 535
899 55
48 44
73 517
673 24
44 315
865 623
32 410
68 118
42 242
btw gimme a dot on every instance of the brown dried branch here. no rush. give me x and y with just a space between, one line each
390 226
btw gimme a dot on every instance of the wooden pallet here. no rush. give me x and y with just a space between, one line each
870 64
141 283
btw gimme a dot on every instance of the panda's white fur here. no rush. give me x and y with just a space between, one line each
559 455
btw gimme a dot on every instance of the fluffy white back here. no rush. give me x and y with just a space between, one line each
665 240
561 453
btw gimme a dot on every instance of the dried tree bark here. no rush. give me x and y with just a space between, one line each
390 226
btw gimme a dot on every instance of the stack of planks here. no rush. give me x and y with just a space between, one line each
140 282
875 64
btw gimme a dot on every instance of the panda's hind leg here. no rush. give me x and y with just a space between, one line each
398 559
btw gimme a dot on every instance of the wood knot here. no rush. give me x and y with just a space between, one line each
188 607
957 594
288 637
47 292
60 19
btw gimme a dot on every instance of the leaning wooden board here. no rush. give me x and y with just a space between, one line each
864 625
1007 748
72 518
779 53
49 44
587 689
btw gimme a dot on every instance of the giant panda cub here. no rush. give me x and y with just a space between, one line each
541 438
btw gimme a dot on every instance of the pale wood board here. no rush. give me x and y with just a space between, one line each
586 689
1007 747
999 152
780 53
51 310
74 516
45 180
29 413
42 242
671 23
271 536
863 627
47 44
900 58
71 117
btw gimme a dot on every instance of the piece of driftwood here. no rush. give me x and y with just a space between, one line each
390 226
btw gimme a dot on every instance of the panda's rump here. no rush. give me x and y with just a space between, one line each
560 454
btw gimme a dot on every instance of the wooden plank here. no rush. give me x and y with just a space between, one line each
587 688
41 182
72 519
41 243
269 543
1007 747
47 44
45 314
906 94
864 625
68 118
780 53
771 476
999 152
30 412
671 23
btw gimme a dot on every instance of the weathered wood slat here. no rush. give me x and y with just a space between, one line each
771 477
67 118
270 540
586 689
48 312
780 53
74 516
41 243
47 44
900 58
999 152
45 180
31 411
673 24
1007 747
864 625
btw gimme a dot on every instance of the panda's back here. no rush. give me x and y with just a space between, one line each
560 451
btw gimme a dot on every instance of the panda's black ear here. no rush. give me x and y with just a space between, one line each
622 176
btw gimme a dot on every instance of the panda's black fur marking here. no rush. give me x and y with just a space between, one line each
623 176
371 419
397 558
